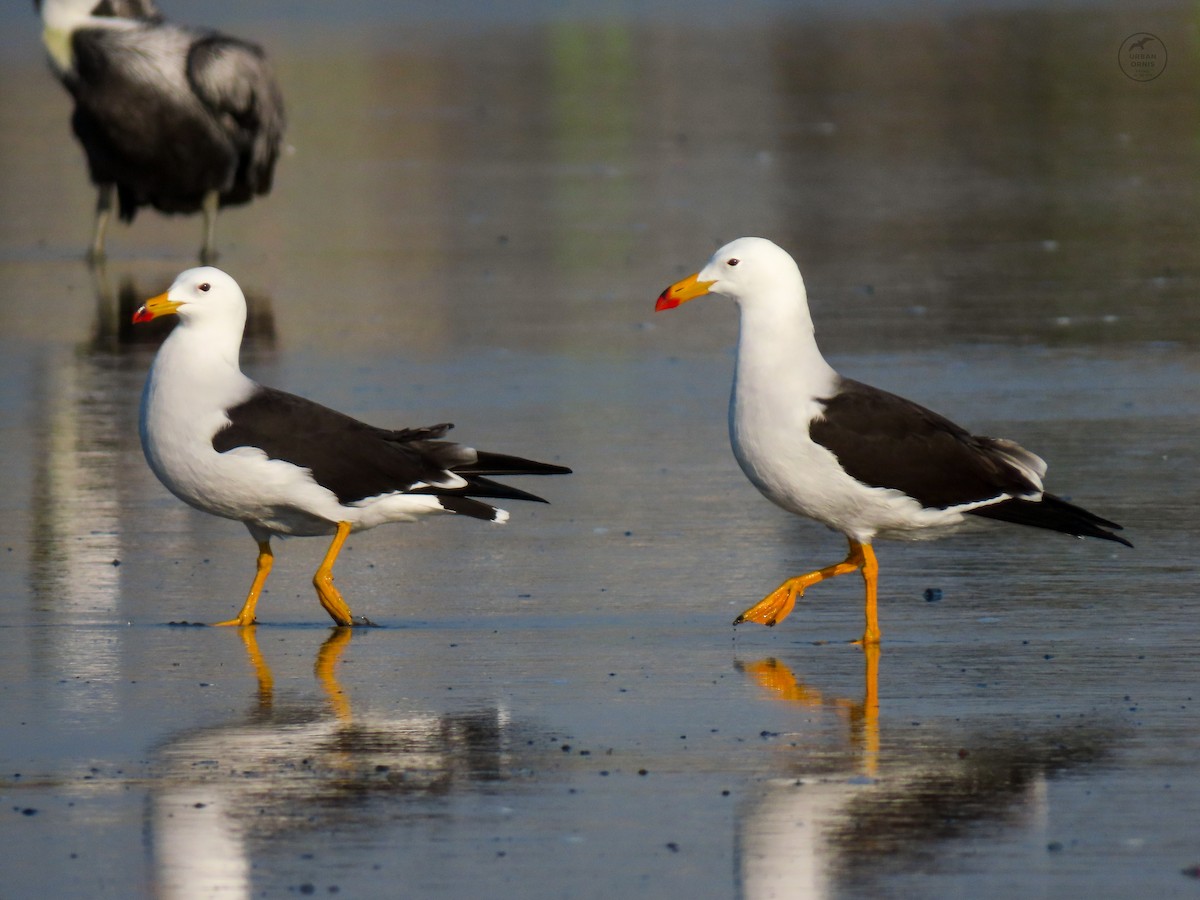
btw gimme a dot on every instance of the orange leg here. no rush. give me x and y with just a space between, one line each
265 561
329 595
870 574
778 604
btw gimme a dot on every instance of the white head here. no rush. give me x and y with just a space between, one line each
60 18
202 296
751 271
75 12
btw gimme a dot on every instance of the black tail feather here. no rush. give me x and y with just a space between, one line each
1055 514
502 464
485 487
482 487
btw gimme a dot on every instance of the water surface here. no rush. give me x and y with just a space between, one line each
471 224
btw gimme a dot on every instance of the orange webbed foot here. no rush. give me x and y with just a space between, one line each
777 605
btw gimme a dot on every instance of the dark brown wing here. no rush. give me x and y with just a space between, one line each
356 460
886 441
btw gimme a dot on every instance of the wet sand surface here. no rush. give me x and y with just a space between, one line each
472 223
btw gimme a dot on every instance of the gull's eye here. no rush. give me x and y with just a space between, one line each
205 286
732 262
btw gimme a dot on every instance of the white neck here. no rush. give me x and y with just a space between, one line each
779 376
777 348
61 18
198 361
194 379
206 347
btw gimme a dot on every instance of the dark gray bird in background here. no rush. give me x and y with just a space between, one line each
181 119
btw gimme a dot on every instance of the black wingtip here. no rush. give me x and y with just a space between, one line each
479 486
489 463
1055 514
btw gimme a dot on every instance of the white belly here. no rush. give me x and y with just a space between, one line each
240 484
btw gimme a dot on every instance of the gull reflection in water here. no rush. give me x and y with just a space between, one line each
84 510
226 793
83 429
832 823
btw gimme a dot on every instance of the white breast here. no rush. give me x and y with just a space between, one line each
183 407
776 392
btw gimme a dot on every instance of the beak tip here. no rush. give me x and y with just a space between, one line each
682 291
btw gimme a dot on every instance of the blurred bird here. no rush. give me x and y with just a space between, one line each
857 459
284 465
181 119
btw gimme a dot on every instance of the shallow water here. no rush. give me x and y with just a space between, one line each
473 221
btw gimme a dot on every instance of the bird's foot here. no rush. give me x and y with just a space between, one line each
239 622
332 602
776 606
362 622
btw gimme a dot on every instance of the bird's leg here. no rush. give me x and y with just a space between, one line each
104 207
265 560
778 604
329 595
870 574
208 251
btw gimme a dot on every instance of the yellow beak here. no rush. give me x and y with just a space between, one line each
682 291
155 307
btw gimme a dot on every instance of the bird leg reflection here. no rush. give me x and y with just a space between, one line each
864 717
208 251
325 668
777 679
265 560
262 672
104 207
777 605
780 682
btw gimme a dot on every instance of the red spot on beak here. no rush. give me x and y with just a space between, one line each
142 315
682 291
